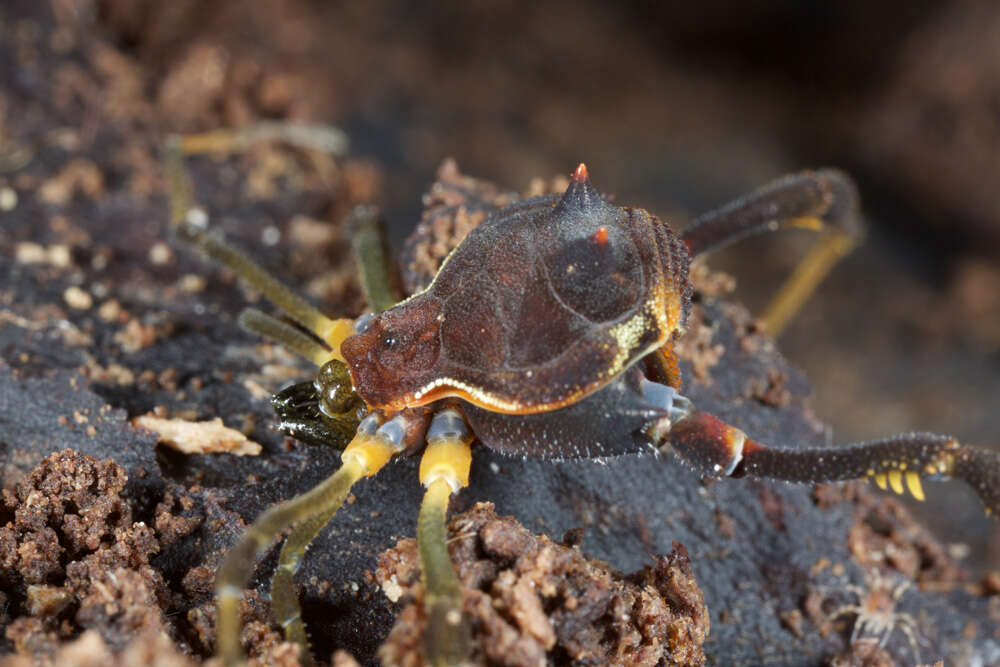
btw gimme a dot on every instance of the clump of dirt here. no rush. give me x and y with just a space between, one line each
72 558
867 653
90 650
534 601
77 574
773 390
709 282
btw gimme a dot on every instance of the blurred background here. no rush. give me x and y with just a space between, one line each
677 107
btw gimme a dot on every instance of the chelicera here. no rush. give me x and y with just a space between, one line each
548 332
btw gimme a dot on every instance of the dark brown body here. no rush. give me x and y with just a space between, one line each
544 305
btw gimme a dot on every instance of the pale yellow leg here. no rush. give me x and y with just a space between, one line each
444 469
266 326
192 229
363 457
323 138
815 266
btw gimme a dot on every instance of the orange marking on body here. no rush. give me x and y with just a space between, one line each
581 175
600 237
750 446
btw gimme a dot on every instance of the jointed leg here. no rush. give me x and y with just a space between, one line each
322 138
284 597
806 277
365 456
266 326
825 201
444 469
716 449
191 228
235 570
368 242
320 411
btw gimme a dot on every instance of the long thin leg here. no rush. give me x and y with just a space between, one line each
716 448
238 564
365 456
824 201
444 469
322 138
189 225
368 242
266 326
284 599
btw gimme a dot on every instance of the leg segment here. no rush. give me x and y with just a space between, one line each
444 469
378 279
284 599
322 138
716 448
363 457
824 200
189 224
266 326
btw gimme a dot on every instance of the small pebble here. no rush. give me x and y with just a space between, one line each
110 310
161 254
60 255
270 236
192 283
8 199
991 582
78 298
29 253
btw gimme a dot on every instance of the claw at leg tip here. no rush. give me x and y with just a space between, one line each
581 175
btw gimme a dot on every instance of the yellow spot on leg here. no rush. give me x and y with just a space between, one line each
913 484
368 453
447 459
811 223
444 468
896 481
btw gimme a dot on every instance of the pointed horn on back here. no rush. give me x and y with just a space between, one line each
580 194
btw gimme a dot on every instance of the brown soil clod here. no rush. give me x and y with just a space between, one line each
531 600
73 559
